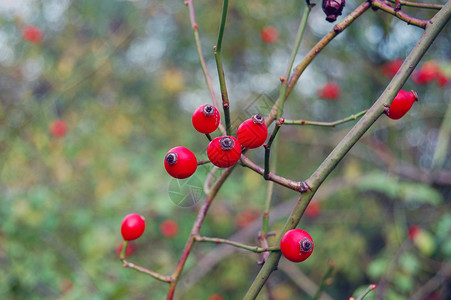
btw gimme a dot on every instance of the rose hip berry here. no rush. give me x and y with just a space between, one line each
58 128
132 227
180 162
169 228
252 133
389 69
401 104
269 34
296 245
206 118
32 34
330 91
224 151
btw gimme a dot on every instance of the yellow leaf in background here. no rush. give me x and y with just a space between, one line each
63 170
173 81
121 126
253 180
104 188
352 170
65 66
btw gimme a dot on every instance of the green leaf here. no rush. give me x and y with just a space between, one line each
377 268
420 193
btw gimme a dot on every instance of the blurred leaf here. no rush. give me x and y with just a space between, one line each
409 263
377 268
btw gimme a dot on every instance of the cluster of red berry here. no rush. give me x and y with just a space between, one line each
222 151
428 72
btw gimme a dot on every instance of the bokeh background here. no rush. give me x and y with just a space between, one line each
125 78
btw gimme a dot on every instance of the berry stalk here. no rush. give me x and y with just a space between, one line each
235 244
326 124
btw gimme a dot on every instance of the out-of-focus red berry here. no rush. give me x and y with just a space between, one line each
269 34
427 73
413 232
389 69
442 79
330 91
169 228
128 251
58 128
246 217
32 34
313 209
215 297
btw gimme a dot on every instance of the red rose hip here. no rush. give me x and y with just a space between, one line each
169 228
224 151
58 128
32 34
252 133
206 118
401 104
132 227
296 245
180 162
269 34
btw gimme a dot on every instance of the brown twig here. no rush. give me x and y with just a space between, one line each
399 14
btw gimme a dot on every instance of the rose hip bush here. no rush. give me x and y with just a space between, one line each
126 77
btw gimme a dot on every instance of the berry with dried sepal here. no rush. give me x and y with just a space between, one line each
224 151
296 245
252 133
180 162
206 118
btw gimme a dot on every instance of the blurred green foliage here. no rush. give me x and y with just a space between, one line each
125 77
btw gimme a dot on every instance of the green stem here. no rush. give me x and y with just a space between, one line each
444 135
370 288
268 147
123 250
222 82
322 285
432 30
299 35
151 273
203 64
325 124
235 244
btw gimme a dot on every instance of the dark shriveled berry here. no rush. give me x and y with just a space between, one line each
333 9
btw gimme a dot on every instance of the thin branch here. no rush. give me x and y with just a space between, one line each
326 124
418 5
235 244
299 35
337 29
432 30
203 162
222 83
155 275
268 146
399 14
327 275
369 289
203 64
195 230
288 183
